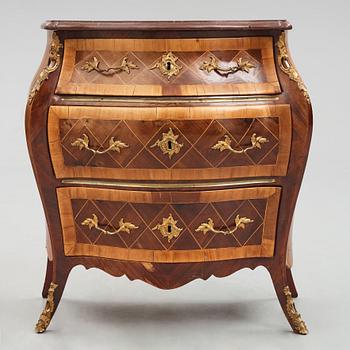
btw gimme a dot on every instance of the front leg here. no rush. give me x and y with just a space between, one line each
49 309
54 294
284 294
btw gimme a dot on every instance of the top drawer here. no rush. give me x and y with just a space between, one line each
168 67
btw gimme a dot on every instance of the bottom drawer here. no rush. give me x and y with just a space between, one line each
169 227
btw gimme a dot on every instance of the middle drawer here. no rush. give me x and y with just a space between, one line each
170 143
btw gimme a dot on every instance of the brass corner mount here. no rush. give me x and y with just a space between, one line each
288 68
53 63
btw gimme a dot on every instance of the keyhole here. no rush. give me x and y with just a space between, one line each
170 145
168 65
169 228
285 63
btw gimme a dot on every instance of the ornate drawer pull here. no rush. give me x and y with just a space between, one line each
168 143
123 226
209 226
167 65
256 142
83 142
94 65
168 228
213 65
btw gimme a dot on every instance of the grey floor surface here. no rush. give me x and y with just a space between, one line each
237 312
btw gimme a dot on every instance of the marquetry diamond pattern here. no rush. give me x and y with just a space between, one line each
197 142
147 216
189 74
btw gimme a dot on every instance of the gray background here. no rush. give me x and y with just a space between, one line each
238 312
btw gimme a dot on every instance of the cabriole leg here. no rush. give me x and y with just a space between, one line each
285 298
290 282
48 278
54 294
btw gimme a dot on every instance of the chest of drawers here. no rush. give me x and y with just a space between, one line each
168 151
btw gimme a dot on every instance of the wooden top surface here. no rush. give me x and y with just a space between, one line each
255 25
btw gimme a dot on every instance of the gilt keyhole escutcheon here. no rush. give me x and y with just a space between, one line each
168 144
167 65
168 228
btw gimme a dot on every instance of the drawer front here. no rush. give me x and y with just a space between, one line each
169 227
169 143
168 67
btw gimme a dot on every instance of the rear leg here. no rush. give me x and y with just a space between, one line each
290 282
48 278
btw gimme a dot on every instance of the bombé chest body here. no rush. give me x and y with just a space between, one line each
168 151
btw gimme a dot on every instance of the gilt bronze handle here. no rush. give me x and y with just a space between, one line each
240 223
94 65
214 65
114 145
256 142
123 226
